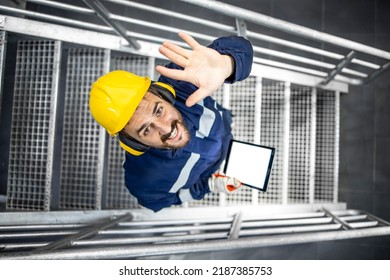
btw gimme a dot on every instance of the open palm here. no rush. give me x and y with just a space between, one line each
203 67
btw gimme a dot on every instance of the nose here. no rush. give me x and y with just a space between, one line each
163 127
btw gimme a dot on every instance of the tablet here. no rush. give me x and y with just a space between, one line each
249 163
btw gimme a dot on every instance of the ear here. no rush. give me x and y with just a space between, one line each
131 145
166 91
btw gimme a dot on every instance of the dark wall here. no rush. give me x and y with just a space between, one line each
364 123
364 120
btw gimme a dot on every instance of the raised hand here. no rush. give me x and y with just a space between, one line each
203 67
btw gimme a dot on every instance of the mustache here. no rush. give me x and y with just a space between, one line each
165 137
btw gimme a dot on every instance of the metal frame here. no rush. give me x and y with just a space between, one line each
116 24
30 178
3 47
82 169
286 141
119 234
103 13
336 147
274 23
260 71
266 68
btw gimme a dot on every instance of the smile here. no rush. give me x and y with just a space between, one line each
173 133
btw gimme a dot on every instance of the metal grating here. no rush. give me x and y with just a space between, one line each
272 134
300 136
325 146
209 200
83 139
33 117
219 96
117 194
259 109
242 105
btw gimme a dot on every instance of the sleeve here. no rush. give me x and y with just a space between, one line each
242 52
151 179
196 191
146 180
157 204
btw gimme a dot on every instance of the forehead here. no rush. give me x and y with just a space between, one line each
145 109
148 100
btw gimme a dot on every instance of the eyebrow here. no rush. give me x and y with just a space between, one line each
153 114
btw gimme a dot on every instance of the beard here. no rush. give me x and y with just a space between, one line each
184 137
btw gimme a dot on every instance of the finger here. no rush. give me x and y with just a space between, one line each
189 40
174 57
172 73
177 49
196 97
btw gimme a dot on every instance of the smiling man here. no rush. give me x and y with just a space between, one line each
157 123
176 136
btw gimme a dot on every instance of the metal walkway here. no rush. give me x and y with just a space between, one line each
126 235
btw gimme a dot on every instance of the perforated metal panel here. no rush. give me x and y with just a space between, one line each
300 136
272 135
242 99
242 104
117 194
32 132
326 143
83 139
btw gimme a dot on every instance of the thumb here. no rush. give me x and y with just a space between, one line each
197 96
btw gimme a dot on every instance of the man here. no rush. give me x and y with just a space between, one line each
176 136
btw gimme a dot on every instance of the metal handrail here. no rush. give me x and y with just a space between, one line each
104 14
285 26
204 22
122 252
203 235
85 233
250 16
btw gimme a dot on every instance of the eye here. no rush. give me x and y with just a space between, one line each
159 111
147 130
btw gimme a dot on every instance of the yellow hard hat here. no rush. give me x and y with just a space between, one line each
114 98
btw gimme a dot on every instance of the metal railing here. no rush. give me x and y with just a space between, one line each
125 236
327 70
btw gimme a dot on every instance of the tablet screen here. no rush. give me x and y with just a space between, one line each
249 163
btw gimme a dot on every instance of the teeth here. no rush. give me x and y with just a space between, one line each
173 134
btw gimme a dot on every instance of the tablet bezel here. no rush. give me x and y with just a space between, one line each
270 162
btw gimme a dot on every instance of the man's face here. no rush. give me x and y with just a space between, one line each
158 124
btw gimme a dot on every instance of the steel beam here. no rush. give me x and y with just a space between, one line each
122 252
104 14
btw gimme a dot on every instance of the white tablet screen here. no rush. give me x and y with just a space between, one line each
250 164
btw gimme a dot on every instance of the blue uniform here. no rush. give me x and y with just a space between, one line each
161 178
